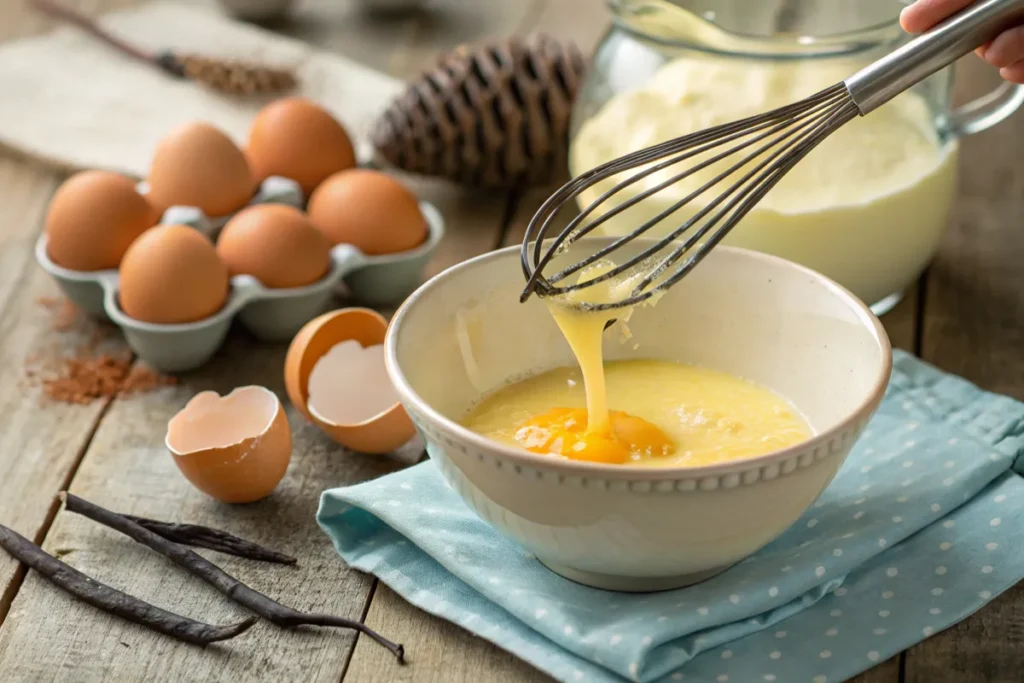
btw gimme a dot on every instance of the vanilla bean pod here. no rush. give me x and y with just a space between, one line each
111 600
266 607
212 539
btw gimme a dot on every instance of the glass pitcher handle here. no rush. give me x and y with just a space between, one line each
986 111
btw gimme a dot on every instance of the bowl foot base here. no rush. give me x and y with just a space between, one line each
630 584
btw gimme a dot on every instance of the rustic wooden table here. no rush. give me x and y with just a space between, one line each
966 316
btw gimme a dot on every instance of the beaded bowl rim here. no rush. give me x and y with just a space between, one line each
851 423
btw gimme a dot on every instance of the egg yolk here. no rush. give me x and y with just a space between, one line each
564 431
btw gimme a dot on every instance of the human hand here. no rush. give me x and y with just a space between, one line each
1006 52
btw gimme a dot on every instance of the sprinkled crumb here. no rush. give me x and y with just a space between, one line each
65 313
84 378
87 374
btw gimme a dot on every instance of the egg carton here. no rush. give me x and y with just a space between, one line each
273 190
270 314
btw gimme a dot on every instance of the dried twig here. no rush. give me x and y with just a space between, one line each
212 539
235 77
266 607
112 600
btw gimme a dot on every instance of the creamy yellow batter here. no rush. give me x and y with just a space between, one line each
662 413
709 416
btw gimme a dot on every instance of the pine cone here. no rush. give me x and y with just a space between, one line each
494 115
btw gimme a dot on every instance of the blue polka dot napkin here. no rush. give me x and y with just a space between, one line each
921 527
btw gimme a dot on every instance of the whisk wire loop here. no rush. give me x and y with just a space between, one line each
742 204
813 116
690 145
779 134
741 186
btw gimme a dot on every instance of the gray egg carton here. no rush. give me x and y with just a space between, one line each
270 314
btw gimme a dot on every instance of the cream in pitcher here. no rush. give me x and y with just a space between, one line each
867 207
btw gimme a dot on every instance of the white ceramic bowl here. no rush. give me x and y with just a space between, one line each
464 334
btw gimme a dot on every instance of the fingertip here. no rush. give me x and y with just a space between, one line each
908 19
914 17
922 15
1007 49
1013 73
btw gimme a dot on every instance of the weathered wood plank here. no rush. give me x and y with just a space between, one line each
38 448
985 648
40 445
126 468
973 326
443 652
25 194
475 229
886 672
902 323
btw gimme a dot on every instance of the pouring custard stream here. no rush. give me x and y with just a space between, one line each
668 414
607 436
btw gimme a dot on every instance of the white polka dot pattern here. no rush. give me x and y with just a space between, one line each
891 553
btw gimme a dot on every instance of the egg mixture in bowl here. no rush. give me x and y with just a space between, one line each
733 401
663 414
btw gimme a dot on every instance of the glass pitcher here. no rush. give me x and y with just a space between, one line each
868 207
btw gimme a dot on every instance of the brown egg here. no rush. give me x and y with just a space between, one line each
295 138
310 353
198 165
172 274
235 448
368 209
93 218
276 244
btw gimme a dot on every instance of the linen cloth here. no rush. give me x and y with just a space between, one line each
73 102
921 527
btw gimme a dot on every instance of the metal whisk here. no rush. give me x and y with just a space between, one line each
769 144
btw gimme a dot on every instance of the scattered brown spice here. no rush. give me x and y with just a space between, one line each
85 378
65 313
88 374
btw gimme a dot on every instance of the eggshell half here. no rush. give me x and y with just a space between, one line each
235 448
382 434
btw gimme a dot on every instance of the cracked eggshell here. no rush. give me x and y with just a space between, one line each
234 448
383 433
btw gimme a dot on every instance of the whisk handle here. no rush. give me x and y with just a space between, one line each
972 27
